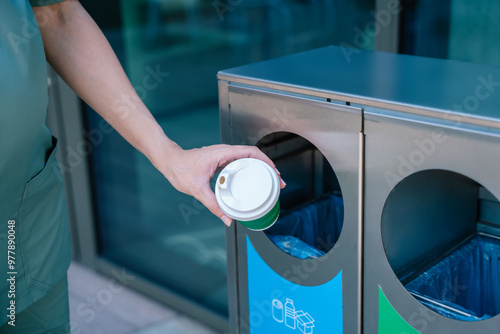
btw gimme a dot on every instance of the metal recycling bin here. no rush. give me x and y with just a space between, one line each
414 144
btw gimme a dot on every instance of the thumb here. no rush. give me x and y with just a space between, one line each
207 198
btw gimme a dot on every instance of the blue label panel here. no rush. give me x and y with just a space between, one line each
278 305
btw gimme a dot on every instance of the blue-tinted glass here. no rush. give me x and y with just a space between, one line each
172 51
452 29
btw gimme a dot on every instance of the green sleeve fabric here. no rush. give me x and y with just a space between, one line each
40 3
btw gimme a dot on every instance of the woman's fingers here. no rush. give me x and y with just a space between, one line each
207 198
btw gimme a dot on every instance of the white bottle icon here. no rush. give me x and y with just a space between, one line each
289 313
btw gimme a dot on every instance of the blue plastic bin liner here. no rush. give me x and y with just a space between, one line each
296 247
468 279
317 224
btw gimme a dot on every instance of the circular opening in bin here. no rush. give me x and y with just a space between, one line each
440 233
312 207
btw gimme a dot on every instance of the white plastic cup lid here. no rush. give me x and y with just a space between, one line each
247 189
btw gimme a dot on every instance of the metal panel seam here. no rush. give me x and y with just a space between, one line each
361 178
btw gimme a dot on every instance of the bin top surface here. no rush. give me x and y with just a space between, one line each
380 79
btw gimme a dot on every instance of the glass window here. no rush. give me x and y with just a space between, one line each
172 51
451 29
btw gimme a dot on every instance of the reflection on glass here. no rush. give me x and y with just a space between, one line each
453 29
172 51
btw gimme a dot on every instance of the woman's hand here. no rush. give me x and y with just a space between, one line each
190 171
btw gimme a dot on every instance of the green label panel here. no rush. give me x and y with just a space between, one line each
389 320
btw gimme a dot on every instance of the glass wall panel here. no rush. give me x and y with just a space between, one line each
452 29
172 51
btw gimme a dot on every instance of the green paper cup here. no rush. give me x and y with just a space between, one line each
247 190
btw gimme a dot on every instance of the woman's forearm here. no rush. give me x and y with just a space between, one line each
79 52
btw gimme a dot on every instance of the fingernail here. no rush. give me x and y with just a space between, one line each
226 220
277 171
283 183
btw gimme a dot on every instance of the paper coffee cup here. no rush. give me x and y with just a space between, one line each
247 190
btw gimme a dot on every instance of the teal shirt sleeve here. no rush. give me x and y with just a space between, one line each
40 3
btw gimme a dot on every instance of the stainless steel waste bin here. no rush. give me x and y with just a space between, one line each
289 107
426 182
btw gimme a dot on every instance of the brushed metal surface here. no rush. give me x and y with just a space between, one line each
418 85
